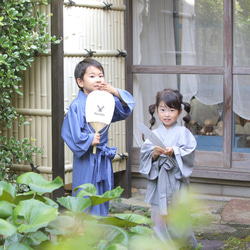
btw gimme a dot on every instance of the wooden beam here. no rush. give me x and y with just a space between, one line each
177 69
228 84
126 175
57 94
221 174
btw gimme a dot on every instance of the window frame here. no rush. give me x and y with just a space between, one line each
227 159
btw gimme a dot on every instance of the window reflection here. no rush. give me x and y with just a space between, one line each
241 33
169 32
241 104
206 119
207 125
242 132
204 93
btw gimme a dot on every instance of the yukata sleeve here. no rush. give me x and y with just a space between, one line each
185 152
122 111
148 168
73 132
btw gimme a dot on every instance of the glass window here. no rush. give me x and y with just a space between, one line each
241 140
178 32
203 92
207 125
241 33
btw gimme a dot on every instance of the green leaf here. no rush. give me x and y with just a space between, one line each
31 239
117 247
33 215
37 237
89 188
34 47
127 220
61 225
15 54
7 191
6 209
38 183
75 204
77 242
142 230
139 219
1 19
90 191
50 202
105 235
117 222
14 238
22 67
19 246
30 195
146 242
7 228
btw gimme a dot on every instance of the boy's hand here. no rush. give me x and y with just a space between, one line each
96 140
106 87
112 90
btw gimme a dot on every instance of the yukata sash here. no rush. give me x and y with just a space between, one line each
170 180
104 165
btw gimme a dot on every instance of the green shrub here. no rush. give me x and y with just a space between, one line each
33 221
22 36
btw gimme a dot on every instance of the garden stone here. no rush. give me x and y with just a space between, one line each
134 208
140 212
118 207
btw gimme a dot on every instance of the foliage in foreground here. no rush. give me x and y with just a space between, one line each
33 221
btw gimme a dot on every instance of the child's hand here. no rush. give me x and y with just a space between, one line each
112 90
96 140
169 151
157 152
107 87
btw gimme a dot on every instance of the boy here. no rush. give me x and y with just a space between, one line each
88 167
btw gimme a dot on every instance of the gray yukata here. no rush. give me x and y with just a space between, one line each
168 179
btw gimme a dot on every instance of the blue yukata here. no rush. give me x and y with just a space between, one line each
88 167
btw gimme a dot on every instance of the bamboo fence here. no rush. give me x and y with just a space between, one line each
87 27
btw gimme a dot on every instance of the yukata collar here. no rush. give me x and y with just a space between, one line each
174 125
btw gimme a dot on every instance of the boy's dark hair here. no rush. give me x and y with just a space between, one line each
81 67
173 99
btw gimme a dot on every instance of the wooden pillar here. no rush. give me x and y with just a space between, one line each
57 94
228 84
126 175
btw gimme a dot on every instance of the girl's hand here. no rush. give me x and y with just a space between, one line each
169 151
96 140
157 152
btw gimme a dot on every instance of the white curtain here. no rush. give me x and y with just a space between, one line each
201 43
241 40
241 98
152 24
208 89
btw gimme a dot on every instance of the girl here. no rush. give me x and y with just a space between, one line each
89 167
168 169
